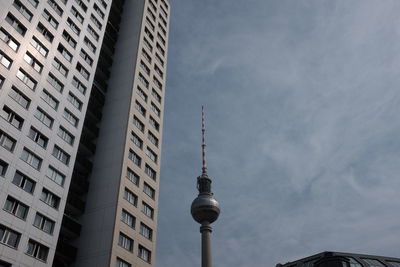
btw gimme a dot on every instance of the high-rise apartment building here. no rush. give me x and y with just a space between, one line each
82 86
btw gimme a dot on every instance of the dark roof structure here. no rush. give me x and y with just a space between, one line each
339 259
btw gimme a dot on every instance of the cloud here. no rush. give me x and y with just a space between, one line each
302 105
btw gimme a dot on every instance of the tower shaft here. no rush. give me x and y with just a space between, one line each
205 231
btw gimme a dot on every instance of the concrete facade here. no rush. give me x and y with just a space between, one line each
52 71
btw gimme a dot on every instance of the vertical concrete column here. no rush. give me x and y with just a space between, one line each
205 230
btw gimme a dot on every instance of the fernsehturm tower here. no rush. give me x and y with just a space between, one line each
205 208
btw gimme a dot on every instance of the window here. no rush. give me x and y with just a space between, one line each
146 231
128 218
33 62
55 6
143 80
55 175
45 32
121 263
141 93
53 22
103 3
79 85
152 138
12 117
93 33
18 26
31 158
37 250
138 123
147 210
86 57
5 60
38 137
16 208
9 237
160 49
19 97
84 72
148 22
49 99
148 190
165 4
148 33
162 29
140 108
132 176
145 68
125 242
70 117
309 263
150 172
61 155
151 14
146 56
76 14
44 223
3 168
1 81
50 198
95 21
153 6
163 20
136 140
82 5
44 117
373 262
9 40
34 3
98 11
60 67
24 182
155 109
39 46
73 26
144 254
158 70
394 263
26 79
154 123
164 12
354 263
23 10
74 101
150 153
67 37
147 44
130 197
89 44
64 52
157 83
156 95
6 141
65 135
159 60
161 39
135 158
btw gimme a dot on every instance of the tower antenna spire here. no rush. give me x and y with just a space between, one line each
205 208
203 143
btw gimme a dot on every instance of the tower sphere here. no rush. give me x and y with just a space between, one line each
205 208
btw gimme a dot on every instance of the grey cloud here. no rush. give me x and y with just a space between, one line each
302 101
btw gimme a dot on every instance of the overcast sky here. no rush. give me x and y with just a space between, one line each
303 133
